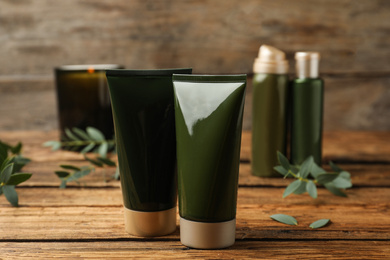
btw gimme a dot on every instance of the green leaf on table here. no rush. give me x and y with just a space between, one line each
79 174
70 135
18 178
283 161
311 189
106 161
88 148
341 183
301 188
95 134
291 188
330 187
316 170
94 162
3 152
62 174
326 177
11 195
17 148
63 184
319 223
55 145
306 167
70 167
81 133
335 167
285 219
6 173
281 170
102 150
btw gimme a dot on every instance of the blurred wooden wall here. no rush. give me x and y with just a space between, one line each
212 36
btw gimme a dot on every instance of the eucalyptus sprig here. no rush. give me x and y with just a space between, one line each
91 140
11 162
334 181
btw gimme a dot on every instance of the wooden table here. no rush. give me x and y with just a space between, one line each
86 220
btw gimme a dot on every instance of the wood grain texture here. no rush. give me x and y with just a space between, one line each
212 36
174 250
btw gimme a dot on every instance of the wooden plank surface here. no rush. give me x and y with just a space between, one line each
86 221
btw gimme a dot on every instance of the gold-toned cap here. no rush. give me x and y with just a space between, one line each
270 60
307 64
150 224
206 235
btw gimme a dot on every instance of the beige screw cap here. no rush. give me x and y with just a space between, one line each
206 235
150 224
270 60
307 64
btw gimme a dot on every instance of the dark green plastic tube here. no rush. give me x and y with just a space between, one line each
208 113
306 122
143 112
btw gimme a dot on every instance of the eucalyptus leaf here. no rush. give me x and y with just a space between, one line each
326 177
70 167
106 161
63 184
95 134
311 189
335 167
62 174
334 190
283 161
6 173
319 223
281 170
316 170
77 175
341 183
55 145
306 167
81 133
291 188
88 148
11 195
17 148
3 152
94 162
70 135
18 178
103 149
301 188
285 219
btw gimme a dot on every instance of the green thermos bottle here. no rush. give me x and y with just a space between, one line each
269 110
307 109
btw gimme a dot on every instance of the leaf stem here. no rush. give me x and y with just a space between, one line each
299 178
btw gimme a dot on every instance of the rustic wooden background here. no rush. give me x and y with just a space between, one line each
212 36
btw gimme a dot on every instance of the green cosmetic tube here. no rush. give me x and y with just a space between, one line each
269 110
208 114
307 109
144 121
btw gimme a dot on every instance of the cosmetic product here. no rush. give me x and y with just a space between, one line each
208 113
307 109
143 112
82 97
269 110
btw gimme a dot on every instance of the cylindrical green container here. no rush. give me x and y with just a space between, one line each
208 113
307 109
269 110
143 112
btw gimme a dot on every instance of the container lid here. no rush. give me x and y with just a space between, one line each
207 235
150 224
270 60
307 64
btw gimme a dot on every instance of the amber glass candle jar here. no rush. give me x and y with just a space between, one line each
83 98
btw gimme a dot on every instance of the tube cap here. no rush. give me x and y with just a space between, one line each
206 235
270 60
307 64
150 224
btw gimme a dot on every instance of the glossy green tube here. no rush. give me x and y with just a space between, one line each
143 112
208 113
306 122
269 122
